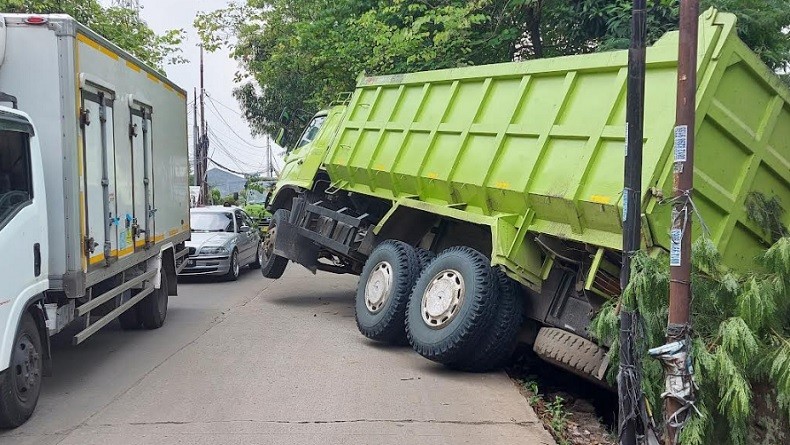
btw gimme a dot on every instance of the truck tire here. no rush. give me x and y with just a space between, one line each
130 320
273 266
498 344
383 291
152 309
20 384
234 269
452 306
425 256
572 353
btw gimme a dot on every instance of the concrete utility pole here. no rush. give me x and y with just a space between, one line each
678 379
629 387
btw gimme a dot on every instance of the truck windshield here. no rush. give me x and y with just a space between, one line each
211 222
311 131
16 185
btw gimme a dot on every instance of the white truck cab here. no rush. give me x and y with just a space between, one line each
23 245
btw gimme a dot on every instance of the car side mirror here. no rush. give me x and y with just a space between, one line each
244 229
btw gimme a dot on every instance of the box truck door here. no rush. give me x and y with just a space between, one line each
142 143
98 145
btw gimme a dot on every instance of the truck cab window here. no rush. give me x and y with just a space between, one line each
16 184
311 131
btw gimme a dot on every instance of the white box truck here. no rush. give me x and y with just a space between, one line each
94 198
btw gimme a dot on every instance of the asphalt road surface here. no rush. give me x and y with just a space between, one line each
266 362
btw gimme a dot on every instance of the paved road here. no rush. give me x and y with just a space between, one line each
266 362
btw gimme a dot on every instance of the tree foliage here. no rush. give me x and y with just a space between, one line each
299 54
121 26
741 337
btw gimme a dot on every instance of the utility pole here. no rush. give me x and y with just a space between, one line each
196 141
203 135
269 166
629 389
678 377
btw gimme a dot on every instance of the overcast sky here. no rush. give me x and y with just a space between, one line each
247 152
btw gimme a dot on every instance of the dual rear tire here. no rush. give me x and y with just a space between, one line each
453 309
150 312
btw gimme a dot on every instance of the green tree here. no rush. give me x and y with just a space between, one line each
296 55
121 26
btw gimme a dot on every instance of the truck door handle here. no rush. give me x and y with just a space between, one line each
37 259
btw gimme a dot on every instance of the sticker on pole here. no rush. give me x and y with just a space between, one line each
674 249
626 139
625 204
681 143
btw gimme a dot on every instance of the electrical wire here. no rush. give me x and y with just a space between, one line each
230 127
230 155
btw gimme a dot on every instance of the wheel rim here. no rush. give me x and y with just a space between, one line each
26 368
268 244
443 298
234 263
379 287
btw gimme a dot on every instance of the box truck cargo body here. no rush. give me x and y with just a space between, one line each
94 199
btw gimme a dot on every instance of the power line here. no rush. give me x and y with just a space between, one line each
226 168
223 105
230 155
230 127
228 140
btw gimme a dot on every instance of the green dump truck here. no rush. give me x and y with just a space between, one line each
474 202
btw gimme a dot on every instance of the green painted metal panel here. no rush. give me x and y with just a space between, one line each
538 146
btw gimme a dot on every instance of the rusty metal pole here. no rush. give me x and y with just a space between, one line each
682 211
629 388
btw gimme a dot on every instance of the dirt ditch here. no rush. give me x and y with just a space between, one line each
573 410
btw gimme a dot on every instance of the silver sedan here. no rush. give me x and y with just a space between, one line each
223 241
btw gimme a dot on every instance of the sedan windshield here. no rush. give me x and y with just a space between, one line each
211 222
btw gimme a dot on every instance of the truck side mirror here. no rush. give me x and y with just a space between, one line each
280 135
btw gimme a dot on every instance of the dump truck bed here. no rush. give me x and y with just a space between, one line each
541 143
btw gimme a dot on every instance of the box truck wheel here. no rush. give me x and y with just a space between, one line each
20 384
153 308
572 353
384 289
130 319
452 306
273 266
497 345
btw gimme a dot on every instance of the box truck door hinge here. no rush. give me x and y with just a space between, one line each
90 245
85 117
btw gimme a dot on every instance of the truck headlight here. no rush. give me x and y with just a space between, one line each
213 250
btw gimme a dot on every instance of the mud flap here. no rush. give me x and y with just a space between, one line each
290 244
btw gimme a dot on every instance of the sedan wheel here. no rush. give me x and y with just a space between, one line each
234 269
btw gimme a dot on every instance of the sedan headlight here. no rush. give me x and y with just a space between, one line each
214 250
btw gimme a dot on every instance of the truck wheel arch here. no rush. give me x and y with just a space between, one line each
32 306
168 266
284 198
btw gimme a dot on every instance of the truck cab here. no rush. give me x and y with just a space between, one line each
23 265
